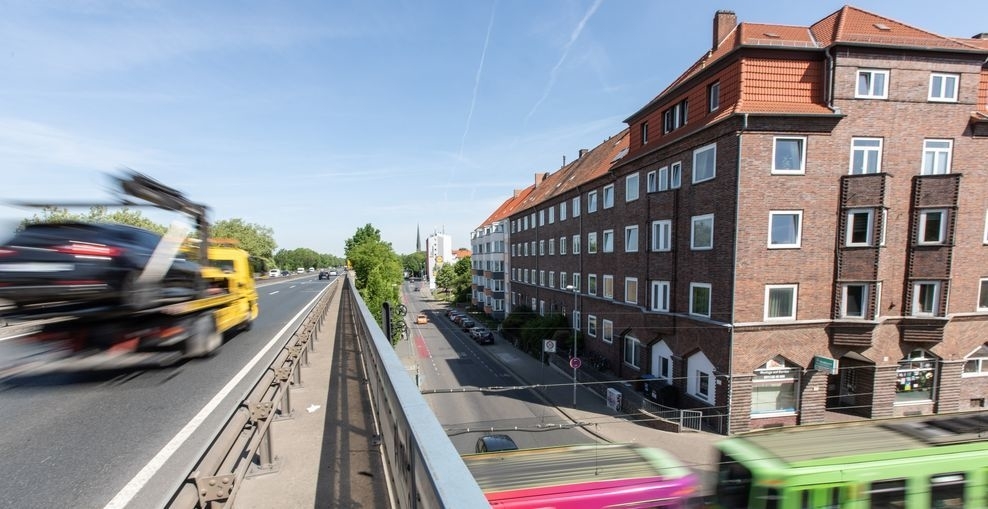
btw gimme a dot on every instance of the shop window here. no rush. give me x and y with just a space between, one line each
775 388
915 377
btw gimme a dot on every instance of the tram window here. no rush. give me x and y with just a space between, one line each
828 497
771 498
947 491
888 494
804 499
834 499
733 483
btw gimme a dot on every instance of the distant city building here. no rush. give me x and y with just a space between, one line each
438 251
490 262
795 227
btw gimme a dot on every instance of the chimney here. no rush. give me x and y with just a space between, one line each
583 152
539 177
724 22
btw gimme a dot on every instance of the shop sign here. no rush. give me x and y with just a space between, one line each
825 364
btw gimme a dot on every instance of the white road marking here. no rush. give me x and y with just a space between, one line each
274 292
127 493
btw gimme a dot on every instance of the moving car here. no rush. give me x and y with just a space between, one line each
274 273
421 319
76 262
495 443
324 275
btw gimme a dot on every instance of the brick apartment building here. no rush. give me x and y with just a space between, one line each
799 196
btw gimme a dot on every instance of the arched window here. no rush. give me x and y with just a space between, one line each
775 388
916 377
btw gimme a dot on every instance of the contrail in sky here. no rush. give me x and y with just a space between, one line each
555 70
476 81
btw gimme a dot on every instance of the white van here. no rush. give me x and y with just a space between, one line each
273 273
301 270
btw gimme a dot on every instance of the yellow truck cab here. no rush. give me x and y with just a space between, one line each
229 273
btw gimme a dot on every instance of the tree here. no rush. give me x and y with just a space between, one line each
257 240
462 280
445 277
377 271
414 263
363 234
96 214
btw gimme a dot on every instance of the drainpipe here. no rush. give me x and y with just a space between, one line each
734 284
828 83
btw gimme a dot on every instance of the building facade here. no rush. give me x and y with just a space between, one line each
797 225
438 251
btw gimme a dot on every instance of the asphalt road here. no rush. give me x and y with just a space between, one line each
451 368
79 439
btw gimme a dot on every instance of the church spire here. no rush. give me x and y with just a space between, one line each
418 239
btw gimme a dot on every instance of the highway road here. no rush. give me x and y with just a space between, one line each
449 361
128 438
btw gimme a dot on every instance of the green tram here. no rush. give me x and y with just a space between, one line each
903 463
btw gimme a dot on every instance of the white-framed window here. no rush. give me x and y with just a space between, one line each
525 222
552 247
860 227
936 157
591 326
591 202
700 298
659 296
785 229
926 298
608 196
552 214
562 281
780 302
854 300
562 245
576 244
915 377
644 132
932 227
872 84
607 244
976 362
552 279
577 323
705 163
631 290
713 96
576 207
984 240
866 156
789 155
542 217
631 187
606 331
651 182
541 278
663 178
541 248
562 211
702 232
591 284
576 282
631 239
592 242
662 235
943 87
675 117
676 175
632 352
700 377
541 308
662 361
608 283
983 294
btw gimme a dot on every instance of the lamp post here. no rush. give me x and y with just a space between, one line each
575 361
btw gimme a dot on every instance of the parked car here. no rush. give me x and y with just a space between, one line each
482 335
467 324
285 273
495 443
75 262
274 273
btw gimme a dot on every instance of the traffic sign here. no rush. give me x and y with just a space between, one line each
575 363
548 346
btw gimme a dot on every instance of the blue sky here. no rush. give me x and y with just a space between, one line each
316 118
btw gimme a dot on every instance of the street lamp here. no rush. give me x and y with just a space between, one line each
575 361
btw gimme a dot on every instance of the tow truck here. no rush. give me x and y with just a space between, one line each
115 336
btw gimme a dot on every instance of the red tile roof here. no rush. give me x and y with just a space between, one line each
848 25
509 206
587 167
